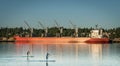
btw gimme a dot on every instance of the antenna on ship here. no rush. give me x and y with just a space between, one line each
60 28
96 26
45 29
75 28
31 29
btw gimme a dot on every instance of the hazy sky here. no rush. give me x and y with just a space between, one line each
83 13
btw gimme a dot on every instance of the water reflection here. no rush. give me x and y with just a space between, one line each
63 54
96 52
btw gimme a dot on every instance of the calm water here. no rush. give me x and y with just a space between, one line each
12 54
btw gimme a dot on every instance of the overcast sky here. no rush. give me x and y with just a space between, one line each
83 13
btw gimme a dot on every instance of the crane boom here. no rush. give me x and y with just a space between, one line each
75 29
27 24
41 25
57 24
44 28
74 26
60 28
31 30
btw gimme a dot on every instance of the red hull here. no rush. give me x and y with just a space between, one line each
55 40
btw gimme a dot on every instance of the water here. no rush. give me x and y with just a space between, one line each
15 54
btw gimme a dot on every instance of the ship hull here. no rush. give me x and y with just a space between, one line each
56 40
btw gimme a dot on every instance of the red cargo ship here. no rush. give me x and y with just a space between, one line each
60 40
96 36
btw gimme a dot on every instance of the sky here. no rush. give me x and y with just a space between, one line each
82 13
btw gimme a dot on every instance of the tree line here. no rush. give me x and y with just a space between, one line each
54 31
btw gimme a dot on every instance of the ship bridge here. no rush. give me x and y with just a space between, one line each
96 33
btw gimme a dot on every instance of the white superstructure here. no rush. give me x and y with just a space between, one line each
96 33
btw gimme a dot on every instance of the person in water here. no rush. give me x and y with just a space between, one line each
28 54
47 55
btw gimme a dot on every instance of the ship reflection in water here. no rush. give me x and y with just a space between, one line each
16 54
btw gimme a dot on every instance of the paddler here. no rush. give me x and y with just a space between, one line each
47 55
28 54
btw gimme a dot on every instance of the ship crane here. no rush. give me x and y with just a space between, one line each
75 28
45 29
60 28
31 29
